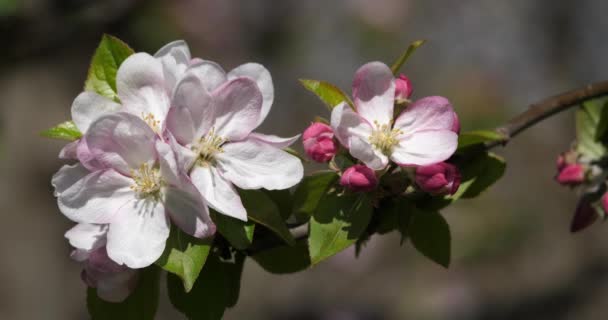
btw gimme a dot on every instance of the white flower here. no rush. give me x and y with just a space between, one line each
210 125
136 192
422 134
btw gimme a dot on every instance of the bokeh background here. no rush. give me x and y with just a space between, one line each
513 257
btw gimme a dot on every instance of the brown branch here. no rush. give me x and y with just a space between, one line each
535 113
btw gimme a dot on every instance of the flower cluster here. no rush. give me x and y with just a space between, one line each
384 130
178 141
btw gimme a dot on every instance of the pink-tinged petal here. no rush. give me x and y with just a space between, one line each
237 106
175 58
67 176
184 156
275 141
347 124
141 86
219 193
96 198
85 236
425 147
187 209
262 78
88 107
121 141
84 155
251 164
191 115
169 169
138 238
365 152
374 93
68 152
430 113
210 73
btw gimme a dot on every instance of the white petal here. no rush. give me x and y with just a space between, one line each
429 113
184 156
374 92
138 238
175 57
121 141
141 86
87 236
187 209
425 147
178 49
86 158
251 164
68 152
219 193
275 141
365 152
210 74
88 107
96 198
347 124
67 176
262 78
191 113
236 106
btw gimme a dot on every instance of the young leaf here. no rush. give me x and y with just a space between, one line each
478 136
403 58
262 210
283 199
64 131
185 256
337 223
310 191
327 92
430 235
238 233
285 259
109 55
478 174
588 141
140 305
216 289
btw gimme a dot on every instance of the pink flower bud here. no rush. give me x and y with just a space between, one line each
571 174
359 178
319 143
456 124
438 179
403 88
584 215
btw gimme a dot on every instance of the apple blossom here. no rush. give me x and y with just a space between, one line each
319 143
421 135
359 178
210 126
138 190
114 283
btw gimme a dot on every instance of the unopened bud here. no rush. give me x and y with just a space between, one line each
438 179
319 143
359 178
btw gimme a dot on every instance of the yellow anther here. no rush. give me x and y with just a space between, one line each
384 138
151 121
147 180
207 147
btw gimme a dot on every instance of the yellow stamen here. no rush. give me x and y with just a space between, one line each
384 138
147 181
151 121
207 147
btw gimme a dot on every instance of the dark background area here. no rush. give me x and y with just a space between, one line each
513 257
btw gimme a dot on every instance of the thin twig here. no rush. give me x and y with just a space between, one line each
535 113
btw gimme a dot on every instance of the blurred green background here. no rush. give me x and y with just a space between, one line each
513 257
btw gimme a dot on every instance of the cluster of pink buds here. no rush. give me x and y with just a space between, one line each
419 139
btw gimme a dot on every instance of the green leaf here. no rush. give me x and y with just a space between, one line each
430 235
108 57
337 223
285 259
185 256
283 199
261 209
64 131
394 214
140 305
405 56
478 174
310 191
238 233
216 290
327 92
588 130
478 136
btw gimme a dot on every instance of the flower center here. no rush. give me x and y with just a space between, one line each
384 138
147 181
151 121
207 147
